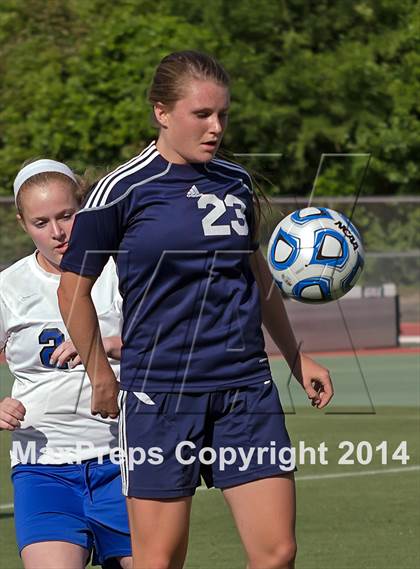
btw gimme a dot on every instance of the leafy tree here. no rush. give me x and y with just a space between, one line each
309 78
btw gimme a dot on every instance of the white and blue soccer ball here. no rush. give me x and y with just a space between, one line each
315 254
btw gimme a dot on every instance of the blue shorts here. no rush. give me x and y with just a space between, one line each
228 437
76 503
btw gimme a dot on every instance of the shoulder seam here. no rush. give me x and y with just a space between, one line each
231 176
128 191
228 163
104 187
231 166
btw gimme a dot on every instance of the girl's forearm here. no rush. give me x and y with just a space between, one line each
79 315
274 315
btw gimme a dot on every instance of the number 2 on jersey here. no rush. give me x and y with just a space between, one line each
53 337
210 227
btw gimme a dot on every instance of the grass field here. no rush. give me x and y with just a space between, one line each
349 516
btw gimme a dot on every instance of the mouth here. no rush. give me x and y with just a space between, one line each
62 247
210 144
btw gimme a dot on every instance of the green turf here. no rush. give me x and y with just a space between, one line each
354 522
360 382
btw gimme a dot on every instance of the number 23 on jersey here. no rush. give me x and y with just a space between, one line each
209 222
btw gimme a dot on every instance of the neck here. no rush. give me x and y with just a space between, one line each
47 265
168 154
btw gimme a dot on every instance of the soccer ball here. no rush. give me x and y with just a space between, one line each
315 254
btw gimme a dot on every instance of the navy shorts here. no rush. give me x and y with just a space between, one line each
76 503
228 437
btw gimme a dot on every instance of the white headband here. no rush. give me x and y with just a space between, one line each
39 167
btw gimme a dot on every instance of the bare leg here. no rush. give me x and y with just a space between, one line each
159 532
54 555
264 513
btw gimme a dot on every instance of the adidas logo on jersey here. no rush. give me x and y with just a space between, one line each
193 192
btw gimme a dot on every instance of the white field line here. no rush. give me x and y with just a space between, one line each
358 473
409 339
315 477
349 474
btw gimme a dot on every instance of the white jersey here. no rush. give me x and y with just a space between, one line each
58 425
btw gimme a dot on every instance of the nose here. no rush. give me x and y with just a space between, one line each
216 125
56 230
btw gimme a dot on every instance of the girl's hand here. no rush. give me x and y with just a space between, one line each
65 353
105 398
11 413
315 380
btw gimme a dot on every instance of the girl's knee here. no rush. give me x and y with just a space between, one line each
158 559
154 562
281 556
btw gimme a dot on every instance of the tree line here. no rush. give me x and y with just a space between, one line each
309 78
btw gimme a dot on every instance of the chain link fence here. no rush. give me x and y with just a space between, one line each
390 227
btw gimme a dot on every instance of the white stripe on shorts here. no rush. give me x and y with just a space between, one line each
122 442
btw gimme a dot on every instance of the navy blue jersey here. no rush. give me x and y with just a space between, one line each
181 236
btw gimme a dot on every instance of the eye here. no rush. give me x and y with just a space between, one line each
40 224
68 215
202 114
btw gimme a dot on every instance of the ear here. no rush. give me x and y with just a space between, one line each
161 114
21 222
